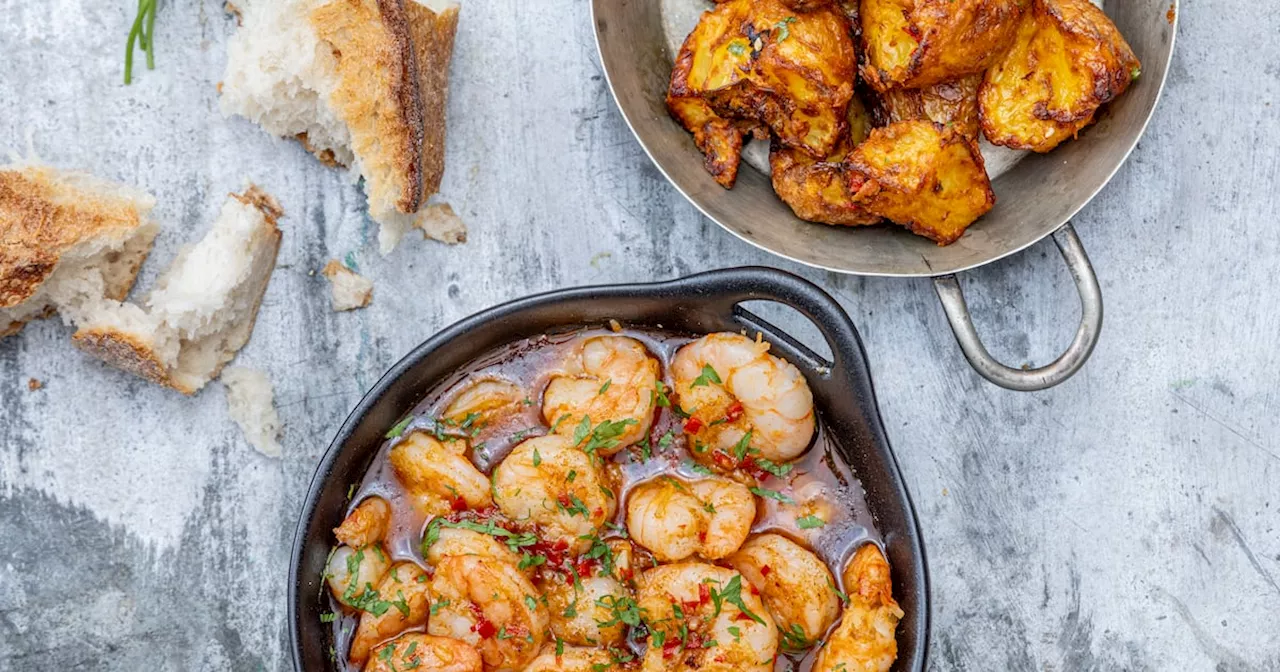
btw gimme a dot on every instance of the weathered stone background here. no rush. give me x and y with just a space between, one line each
1129 519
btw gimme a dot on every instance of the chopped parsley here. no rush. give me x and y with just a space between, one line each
779 470
401 604
732 594
623 609
537 458
793 638
844 599
605 387
773 494
742 446
399 428
737 48
809 522
531 603
709 374
781 27
435 608
328 617
603 437
660 394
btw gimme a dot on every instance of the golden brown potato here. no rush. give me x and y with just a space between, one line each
917 43
948 103
760 61
1068 59
921 175
818 191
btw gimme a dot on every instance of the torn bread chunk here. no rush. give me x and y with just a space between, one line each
203 307
361 83
350 290
440 222
251 404
67 238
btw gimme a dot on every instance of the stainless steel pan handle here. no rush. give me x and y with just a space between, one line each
1060 369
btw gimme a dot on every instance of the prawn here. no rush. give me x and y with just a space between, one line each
367 524
353 572
742 402
548 482
571 659
438 475
592 610
483 403
492 606
796 586
606 379
425 653
705 618
403 603
865 640
675 519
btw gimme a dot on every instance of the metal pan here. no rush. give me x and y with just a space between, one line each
1035 199
698 304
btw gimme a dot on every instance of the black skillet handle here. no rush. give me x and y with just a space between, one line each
723 291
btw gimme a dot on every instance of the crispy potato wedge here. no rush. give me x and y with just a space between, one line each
952 103
913 44
1068 59
818 190
761 61
921 175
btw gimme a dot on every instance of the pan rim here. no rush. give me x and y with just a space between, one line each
1046 230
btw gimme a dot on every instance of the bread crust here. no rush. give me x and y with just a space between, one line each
125 351
374 50
433 36
35 231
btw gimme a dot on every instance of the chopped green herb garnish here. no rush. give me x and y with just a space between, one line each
606 385
603 437
781 26
401 604
328 617
773 494
793 639
810 522
623 609
740 448
530 602
707 377
399 428
537 458
779 470
844 599
436 607
732 594
660 397
737 48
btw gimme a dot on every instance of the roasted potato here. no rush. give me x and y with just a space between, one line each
948 103
922 175
760 61
1067 60
913 44
818 191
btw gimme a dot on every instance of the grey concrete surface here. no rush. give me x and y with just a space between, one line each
1127 520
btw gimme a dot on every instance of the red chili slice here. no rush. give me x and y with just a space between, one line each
485 629
692 425
764 570
734 412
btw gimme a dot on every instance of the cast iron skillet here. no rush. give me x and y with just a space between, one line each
701 303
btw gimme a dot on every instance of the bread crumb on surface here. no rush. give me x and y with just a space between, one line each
440 222
34 384
251 404
350 290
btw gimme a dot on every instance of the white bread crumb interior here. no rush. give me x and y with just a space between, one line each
251 404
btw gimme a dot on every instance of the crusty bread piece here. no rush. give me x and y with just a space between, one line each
251 404
203 307
361 83
67 239
349 290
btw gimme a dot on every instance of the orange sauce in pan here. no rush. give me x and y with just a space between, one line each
819 483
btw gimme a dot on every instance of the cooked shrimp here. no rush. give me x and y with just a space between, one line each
424 653
367 524
865 640
438 474
403 602
741 401
796 587
483 403
547 482
606 378
490 605
688 606
594 610
675 519
452 541
571 659
353 571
